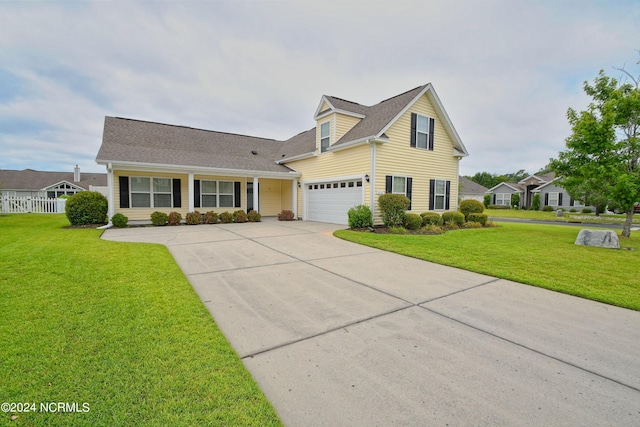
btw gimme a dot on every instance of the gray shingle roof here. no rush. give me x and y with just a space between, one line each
29 179
470 187
128 140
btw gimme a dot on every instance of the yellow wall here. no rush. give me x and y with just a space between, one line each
344 124
272 194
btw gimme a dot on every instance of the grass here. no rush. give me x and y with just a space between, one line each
538 255
551 216
115 325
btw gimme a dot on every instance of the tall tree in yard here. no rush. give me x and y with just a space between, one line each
603 151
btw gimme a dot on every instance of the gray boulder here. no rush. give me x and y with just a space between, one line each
598 238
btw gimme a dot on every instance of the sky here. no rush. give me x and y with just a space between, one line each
505 71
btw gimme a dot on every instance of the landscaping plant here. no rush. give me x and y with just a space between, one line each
240 216
210 218
87 207
431 218
193 218
412 221
470 206
175 218
159 218
226 217
286 215
119 220
392 209
360 217
254 216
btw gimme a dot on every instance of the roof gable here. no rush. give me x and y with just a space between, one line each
29 179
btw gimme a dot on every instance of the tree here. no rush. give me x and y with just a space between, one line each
603 151
490 180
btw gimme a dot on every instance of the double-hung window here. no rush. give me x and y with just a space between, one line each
553 199
140 192
217 194
440 194
151 192
422 131
161 192
503 199
399 185
325 130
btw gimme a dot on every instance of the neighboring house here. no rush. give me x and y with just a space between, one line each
32 183
470 190
551 193
405 145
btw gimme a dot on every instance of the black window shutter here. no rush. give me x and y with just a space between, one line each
414 119
432 123
408 193
448 196
432 194
236 193
546 199
196 193
494 199
571 201
177 196
124 191
388 185
559 199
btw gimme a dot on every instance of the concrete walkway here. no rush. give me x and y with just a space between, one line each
339 334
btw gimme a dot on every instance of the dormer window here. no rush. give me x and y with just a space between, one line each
325 129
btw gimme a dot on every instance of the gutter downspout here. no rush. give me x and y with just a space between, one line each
372 179
110 197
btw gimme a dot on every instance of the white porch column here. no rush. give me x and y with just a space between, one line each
294 197
190 186
110 192
255 194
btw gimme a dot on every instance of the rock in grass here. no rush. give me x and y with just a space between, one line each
598 238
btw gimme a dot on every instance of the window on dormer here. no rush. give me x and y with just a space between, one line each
422 131
325 129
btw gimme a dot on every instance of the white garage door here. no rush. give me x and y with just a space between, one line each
330 201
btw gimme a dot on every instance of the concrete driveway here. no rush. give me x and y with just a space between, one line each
338 334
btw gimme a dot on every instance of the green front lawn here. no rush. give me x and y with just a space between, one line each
551 216
116 326
539 255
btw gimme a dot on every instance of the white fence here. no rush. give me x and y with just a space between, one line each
32 205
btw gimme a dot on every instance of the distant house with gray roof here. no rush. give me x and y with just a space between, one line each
33 183
470 190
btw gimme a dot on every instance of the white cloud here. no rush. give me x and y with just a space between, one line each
505 70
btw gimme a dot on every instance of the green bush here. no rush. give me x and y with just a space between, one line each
175 218
487 200
210 218
397 230
119 220
535 203
286 215
431 218
515 199
159 218
547 209
240 216
412 221
499 207
226 217
573 210
87 207
360 217
193 218
455 217
254 216
478 217
587 211
472 224
470 206
392 209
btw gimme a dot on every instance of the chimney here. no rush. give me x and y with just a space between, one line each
76 174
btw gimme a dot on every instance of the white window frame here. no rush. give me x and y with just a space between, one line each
324 146
155 192
503 199
557 199
420 132
218 193
150 191
393 185
440 196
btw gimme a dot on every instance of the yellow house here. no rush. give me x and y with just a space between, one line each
405 144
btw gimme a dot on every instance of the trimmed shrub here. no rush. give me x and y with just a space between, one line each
392 209
254 216
175 218
451 225
226 217
499 207
240 216
397 230
470 206
286 215
193 218
431 218
472 224
119 220
487 200
535 203
478 217
360 217
159 218
87 207
573 210
433 229
584 211
455 217
515 199
547 209
412 221
210 218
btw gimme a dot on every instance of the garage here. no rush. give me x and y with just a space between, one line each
329 201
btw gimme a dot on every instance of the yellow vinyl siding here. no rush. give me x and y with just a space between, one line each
272 193
344 124
352 161
324 107
144 214
398 158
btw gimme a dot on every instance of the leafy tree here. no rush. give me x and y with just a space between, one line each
603 151
490 180
535 203
515 200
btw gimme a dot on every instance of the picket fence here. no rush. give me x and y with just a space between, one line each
32 205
